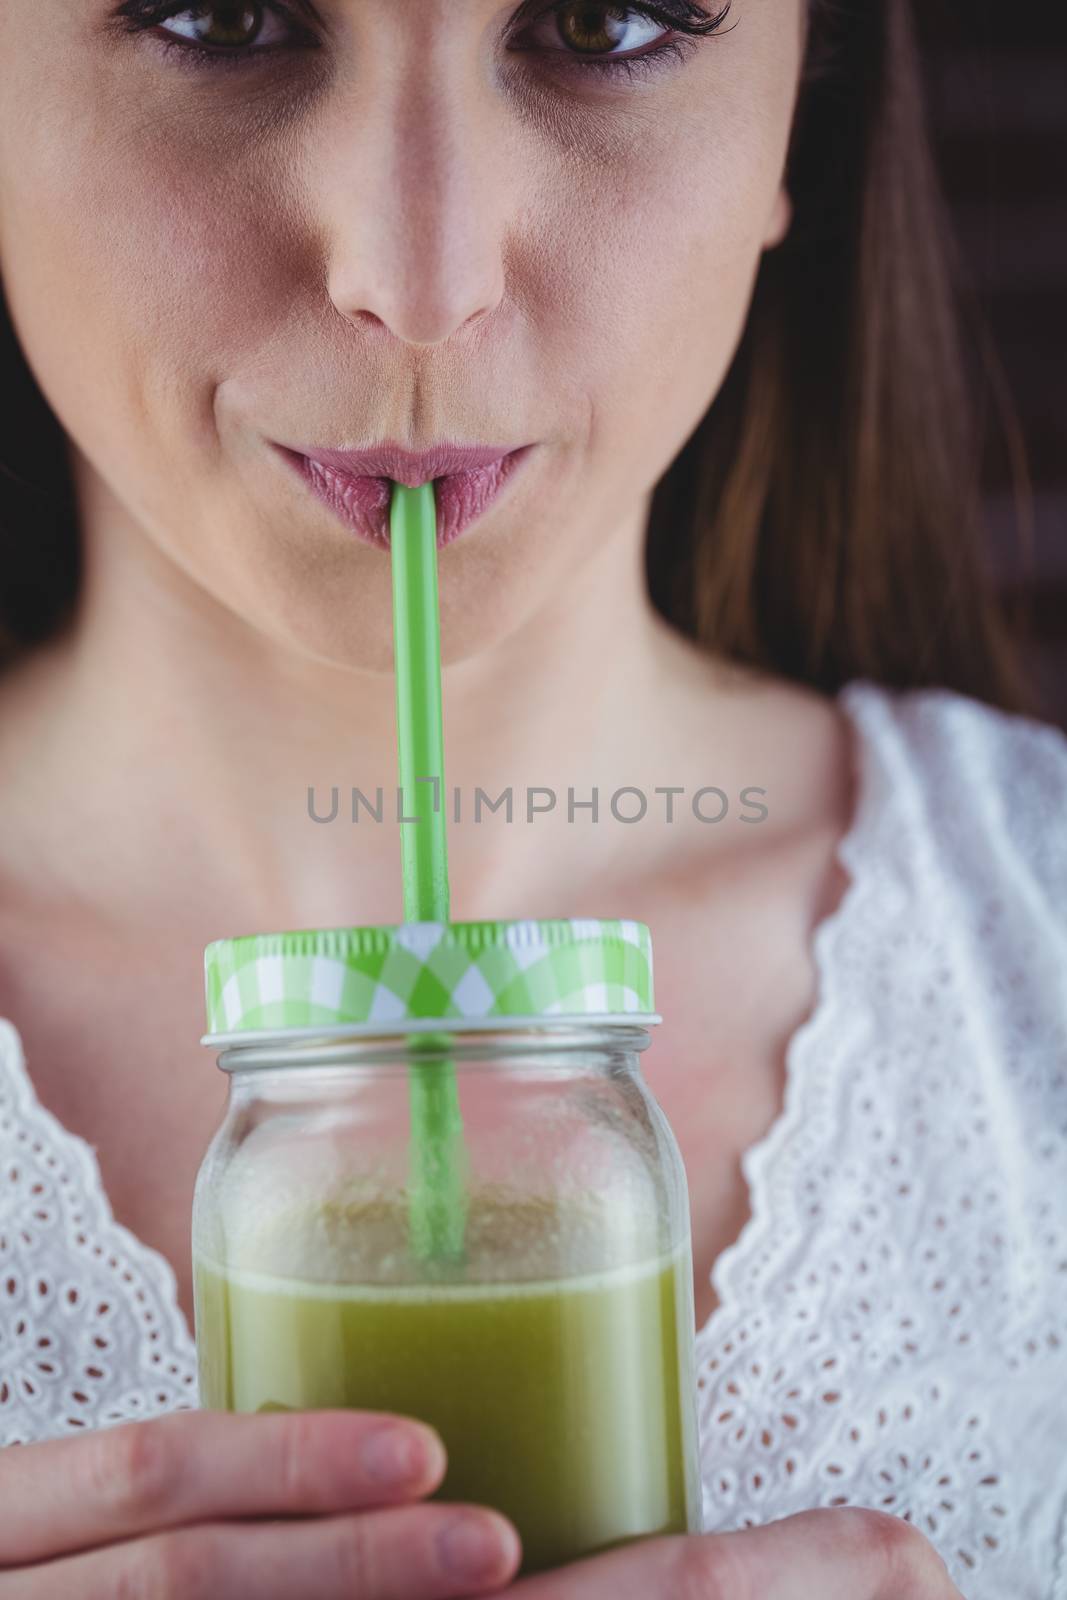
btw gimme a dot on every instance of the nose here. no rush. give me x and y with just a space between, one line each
415 211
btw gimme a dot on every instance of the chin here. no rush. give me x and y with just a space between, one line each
346 621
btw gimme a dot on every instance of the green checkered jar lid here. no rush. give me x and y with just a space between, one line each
412 976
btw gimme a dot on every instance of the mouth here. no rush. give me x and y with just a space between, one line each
357 486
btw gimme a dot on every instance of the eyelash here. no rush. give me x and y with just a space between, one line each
682 17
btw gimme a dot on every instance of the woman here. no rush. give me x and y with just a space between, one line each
692 259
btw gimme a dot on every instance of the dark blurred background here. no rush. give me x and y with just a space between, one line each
997 93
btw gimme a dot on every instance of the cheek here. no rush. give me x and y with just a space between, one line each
138 266
646 275
661 216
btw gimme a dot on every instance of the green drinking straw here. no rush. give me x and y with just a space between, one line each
438 1208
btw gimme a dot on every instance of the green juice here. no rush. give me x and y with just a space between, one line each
568 1405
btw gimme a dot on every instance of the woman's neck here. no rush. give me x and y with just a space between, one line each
169 753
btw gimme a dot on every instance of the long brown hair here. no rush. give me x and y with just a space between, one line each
823 520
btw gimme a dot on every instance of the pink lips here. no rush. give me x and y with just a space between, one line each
357 485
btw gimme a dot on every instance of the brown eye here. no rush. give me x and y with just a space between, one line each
598 30
220 27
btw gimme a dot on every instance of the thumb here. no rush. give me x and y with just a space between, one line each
846 1554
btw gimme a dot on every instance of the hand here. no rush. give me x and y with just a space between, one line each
185 1507
817 1555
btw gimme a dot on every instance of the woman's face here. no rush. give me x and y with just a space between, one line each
411 221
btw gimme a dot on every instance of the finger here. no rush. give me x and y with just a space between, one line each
847 1554
421 1552
195 1466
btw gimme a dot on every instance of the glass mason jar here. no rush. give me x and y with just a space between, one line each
442 1188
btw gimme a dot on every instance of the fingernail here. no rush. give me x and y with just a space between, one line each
395 1455
473 1548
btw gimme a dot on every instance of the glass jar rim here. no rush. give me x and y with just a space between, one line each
296 1047
399 1027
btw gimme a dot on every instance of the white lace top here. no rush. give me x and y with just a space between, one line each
892 1322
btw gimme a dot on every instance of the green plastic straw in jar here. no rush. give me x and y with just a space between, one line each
438 1196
